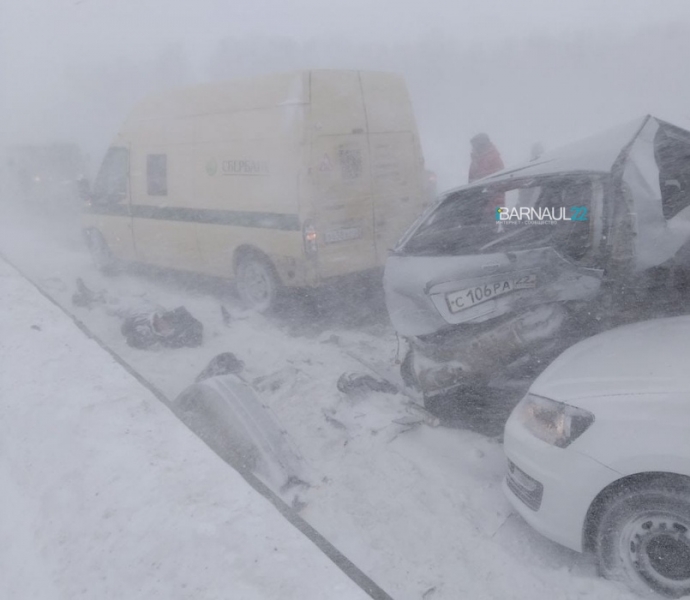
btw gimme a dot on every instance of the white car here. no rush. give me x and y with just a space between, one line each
599 453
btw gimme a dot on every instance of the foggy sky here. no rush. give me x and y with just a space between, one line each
66 29
71 68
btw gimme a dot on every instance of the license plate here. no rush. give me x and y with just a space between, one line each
470 297
342 235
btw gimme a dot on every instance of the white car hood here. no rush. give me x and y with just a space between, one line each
645 358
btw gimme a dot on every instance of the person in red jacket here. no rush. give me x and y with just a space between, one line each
485 157
485 161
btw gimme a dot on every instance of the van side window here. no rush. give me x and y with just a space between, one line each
110 186
157 174
350 162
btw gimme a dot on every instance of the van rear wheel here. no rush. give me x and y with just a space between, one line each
257 283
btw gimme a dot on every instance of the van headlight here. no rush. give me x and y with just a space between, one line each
554 422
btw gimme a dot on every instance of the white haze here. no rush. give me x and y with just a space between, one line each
544 71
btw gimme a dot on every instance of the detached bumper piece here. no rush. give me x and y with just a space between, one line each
526 488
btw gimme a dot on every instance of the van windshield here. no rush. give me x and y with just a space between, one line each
110 186
536 213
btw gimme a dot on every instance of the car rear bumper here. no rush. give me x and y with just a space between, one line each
552 488
478 353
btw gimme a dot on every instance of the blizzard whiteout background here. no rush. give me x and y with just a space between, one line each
527 71
418 509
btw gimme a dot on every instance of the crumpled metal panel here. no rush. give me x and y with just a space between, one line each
655 240
455 339
453 359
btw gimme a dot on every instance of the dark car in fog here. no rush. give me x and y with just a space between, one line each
45 175
501 275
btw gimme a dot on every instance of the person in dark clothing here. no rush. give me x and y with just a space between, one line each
485 157
485 161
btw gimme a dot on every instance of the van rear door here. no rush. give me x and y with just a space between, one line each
396 186
340 174
397 166
342 208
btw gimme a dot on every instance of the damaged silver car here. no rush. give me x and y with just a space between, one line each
501 275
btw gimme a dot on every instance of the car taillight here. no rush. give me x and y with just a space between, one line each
310 237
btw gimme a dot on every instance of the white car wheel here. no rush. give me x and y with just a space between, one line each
644 540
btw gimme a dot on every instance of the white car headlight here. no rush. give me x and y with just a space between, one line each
554 422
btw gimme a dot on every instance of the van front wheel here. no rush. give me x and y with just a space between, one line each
257 283
101 255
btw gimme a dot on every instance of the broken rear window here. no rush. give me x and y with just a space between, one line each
672 153
554 212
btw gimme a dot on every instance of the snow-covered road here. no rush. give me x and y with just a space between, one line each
419 510
106 495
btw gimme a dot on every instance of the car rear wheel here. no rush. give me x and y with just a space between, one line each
643 540
257 283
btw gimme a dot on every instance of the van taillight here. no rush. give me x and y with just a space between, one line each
310 236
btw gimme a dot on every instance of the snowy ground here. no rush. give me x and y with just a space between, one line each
420 510
106 495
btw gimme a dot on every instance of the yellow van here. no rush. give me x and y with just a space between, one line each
283 180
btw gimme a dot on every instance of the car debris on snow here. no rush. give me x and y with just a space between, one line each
225 363
357 384
333 421
85 297
174 329
226 413
409 421
403 428
225 314
274 381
